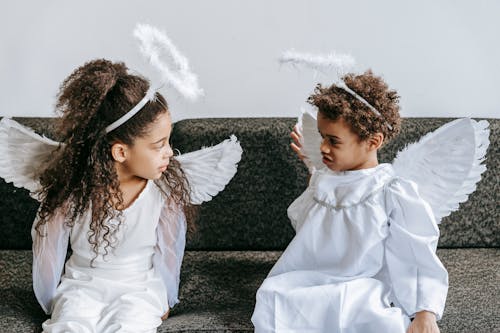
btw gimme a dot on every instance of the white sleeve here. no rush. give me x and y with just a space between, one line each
49 255
169 251
300 207
419 279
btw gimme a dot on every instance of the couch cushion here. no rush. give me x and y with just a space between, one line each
218 291
250 214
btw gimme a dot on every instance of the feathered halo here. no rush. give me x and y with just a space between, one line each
336 63
340 64
173 68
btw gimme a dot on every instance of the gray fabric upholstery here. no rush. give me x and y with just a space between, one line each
218 291
251 213
241 232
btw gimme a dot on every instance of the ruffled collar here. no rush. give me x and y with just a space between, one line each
348 188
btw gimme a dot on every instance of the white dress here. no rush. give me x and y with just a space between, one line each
131 287
127 290
365 239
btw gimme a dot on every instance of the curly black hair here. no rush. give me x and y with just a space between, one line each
334 102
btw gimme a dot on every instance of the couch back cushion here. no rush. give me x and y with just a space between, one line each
250 214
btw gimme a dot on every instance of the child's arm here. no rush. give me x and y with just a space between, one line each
49 254
419 279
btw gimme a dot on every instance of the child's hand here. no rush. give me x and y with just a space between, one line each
296 145
424 322
165 316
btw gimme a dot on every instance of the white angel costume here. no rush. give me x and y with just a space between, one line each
363 258
130 288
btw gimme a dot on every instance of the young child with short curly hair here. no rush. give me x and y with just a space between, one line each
363 258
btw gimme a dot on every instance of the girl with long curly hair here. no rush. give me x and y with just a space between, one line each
363 258
116 193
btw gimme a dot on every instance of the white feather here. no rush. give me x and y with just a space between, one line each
340 64
209 170
23 154
166 58
446 164
310 141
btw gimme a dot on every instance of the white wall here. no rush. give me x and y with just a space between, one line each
443 56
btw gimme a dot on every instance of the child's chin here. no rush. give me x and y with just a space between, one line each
158 176
333 168
153 176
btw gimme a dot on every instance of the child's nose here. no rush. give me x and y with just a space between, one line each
169 152
324 147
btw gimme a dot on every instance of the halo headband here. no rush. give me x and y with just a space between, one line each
340 63
150 95
174 71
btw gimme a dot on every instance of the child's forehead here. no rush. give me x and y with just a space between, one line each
339 124
335 127
160 127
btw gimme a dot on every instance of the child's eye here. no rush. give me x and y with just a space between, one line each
331 141
159 147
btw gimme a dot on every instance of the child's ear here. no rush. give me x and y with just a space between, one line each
119 152
375 141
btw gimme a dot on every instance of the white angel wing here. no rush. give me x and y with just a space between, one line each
311 141
209 170
23 153
446 163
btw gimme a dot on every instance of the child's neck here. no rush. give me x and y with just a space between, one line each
126 178
370 162
130 180
131 189
130 186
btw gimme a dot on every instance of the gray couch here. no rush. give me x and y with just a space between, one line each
241 233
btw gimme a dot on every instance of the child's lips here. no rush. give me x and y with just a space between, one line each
327 160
